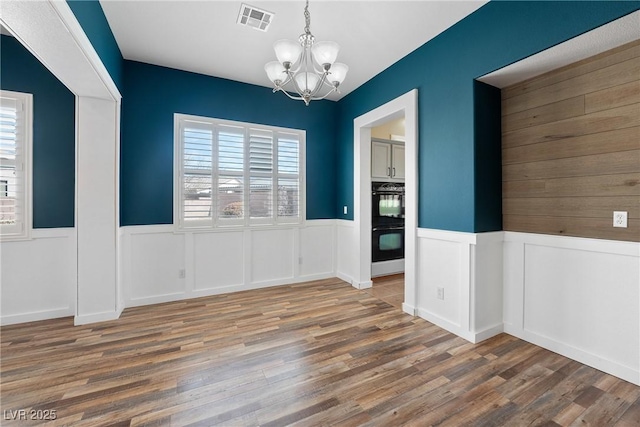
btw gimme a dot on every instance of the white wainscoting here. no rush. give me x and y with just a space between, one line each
38 276
346 256
221 261
577 297
468 267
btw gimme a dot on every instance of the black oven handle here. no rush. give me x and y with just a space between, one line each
387 228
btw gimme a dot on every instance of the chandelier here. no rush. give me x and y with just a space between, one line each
306 67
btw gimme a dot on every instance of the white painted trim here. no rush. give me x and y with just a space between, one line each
611 367
405 105
180 296
515 303
37 316
345 223
362 285
104 316
70 21
385 268
461 237
53 233
345 278
578 243
409 309
26 147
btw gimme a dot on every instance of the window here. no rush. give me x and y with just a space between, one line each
236 174
15 164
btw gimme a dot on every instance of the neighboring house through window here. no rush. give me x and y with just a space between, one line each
237 174
16 111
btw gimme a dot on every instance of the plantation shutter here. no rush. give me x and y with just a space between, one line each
230 185
197 172
12 165
260 173
288 177
236 174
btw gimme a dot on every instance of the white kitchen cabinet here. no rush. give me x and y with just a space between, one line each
387 160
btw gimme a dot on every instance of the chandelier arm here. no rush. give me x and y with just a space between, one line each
323 79
318 98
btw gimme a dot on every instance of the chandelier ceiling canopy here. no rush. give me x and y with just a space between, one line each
306 67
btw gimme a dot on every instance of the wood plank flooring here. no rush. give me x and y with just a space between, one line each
317 353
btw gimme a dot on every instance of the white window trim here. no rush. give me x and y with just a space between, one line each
212 225
11 233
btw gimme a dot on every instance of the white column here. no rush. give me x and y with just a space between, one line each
96 203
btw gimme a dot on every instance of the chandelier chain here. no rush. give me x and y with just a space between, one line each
307 19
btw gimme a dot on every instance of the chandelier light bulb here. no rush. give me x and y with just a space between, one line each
276 72
338 73
287 51
307 82
325 52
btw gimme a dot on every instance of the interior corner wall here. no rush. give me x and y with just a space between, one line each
38 276
488 166
152 95
443 70
53 133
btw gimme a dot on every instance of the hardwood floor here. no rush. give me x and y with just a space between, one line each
318 353
389 289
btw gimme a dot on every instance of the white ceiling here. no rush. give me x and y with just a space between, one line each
203 37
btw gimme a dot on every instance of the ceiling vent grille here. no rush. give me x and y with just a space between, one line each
254 17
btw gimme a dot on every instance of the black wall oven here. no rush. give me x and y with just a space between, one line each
387 220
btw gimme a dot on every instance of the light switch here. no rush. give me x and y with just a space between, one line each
344 209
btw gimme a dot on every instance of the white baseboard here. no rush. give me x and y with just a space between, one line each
104 316
362 285
12 319
447 325
385 268
409 309
611 367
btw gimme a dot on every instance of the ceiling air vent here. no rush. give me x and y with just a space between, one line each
255 18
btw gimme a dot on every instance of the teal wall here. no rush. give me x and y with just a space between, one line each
451 190
153 94
53 133
458 159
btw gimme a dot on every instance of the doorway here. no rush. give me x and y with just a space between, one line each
404 106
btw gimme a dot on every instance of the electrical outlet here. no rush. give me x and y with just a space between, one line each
344 209
299 260
441 293
620 219
181 273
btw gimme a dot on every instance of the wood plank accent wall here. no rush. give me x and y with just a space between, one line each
571 148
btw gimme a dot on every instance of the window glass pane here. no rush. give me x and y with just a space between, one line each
260 197
288 154
197 149
230 197
197 196
231 150
288 197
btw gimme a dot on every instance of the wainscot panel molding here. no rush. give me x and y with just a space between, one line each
38 276
347 259
162 265
576 296
467 267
